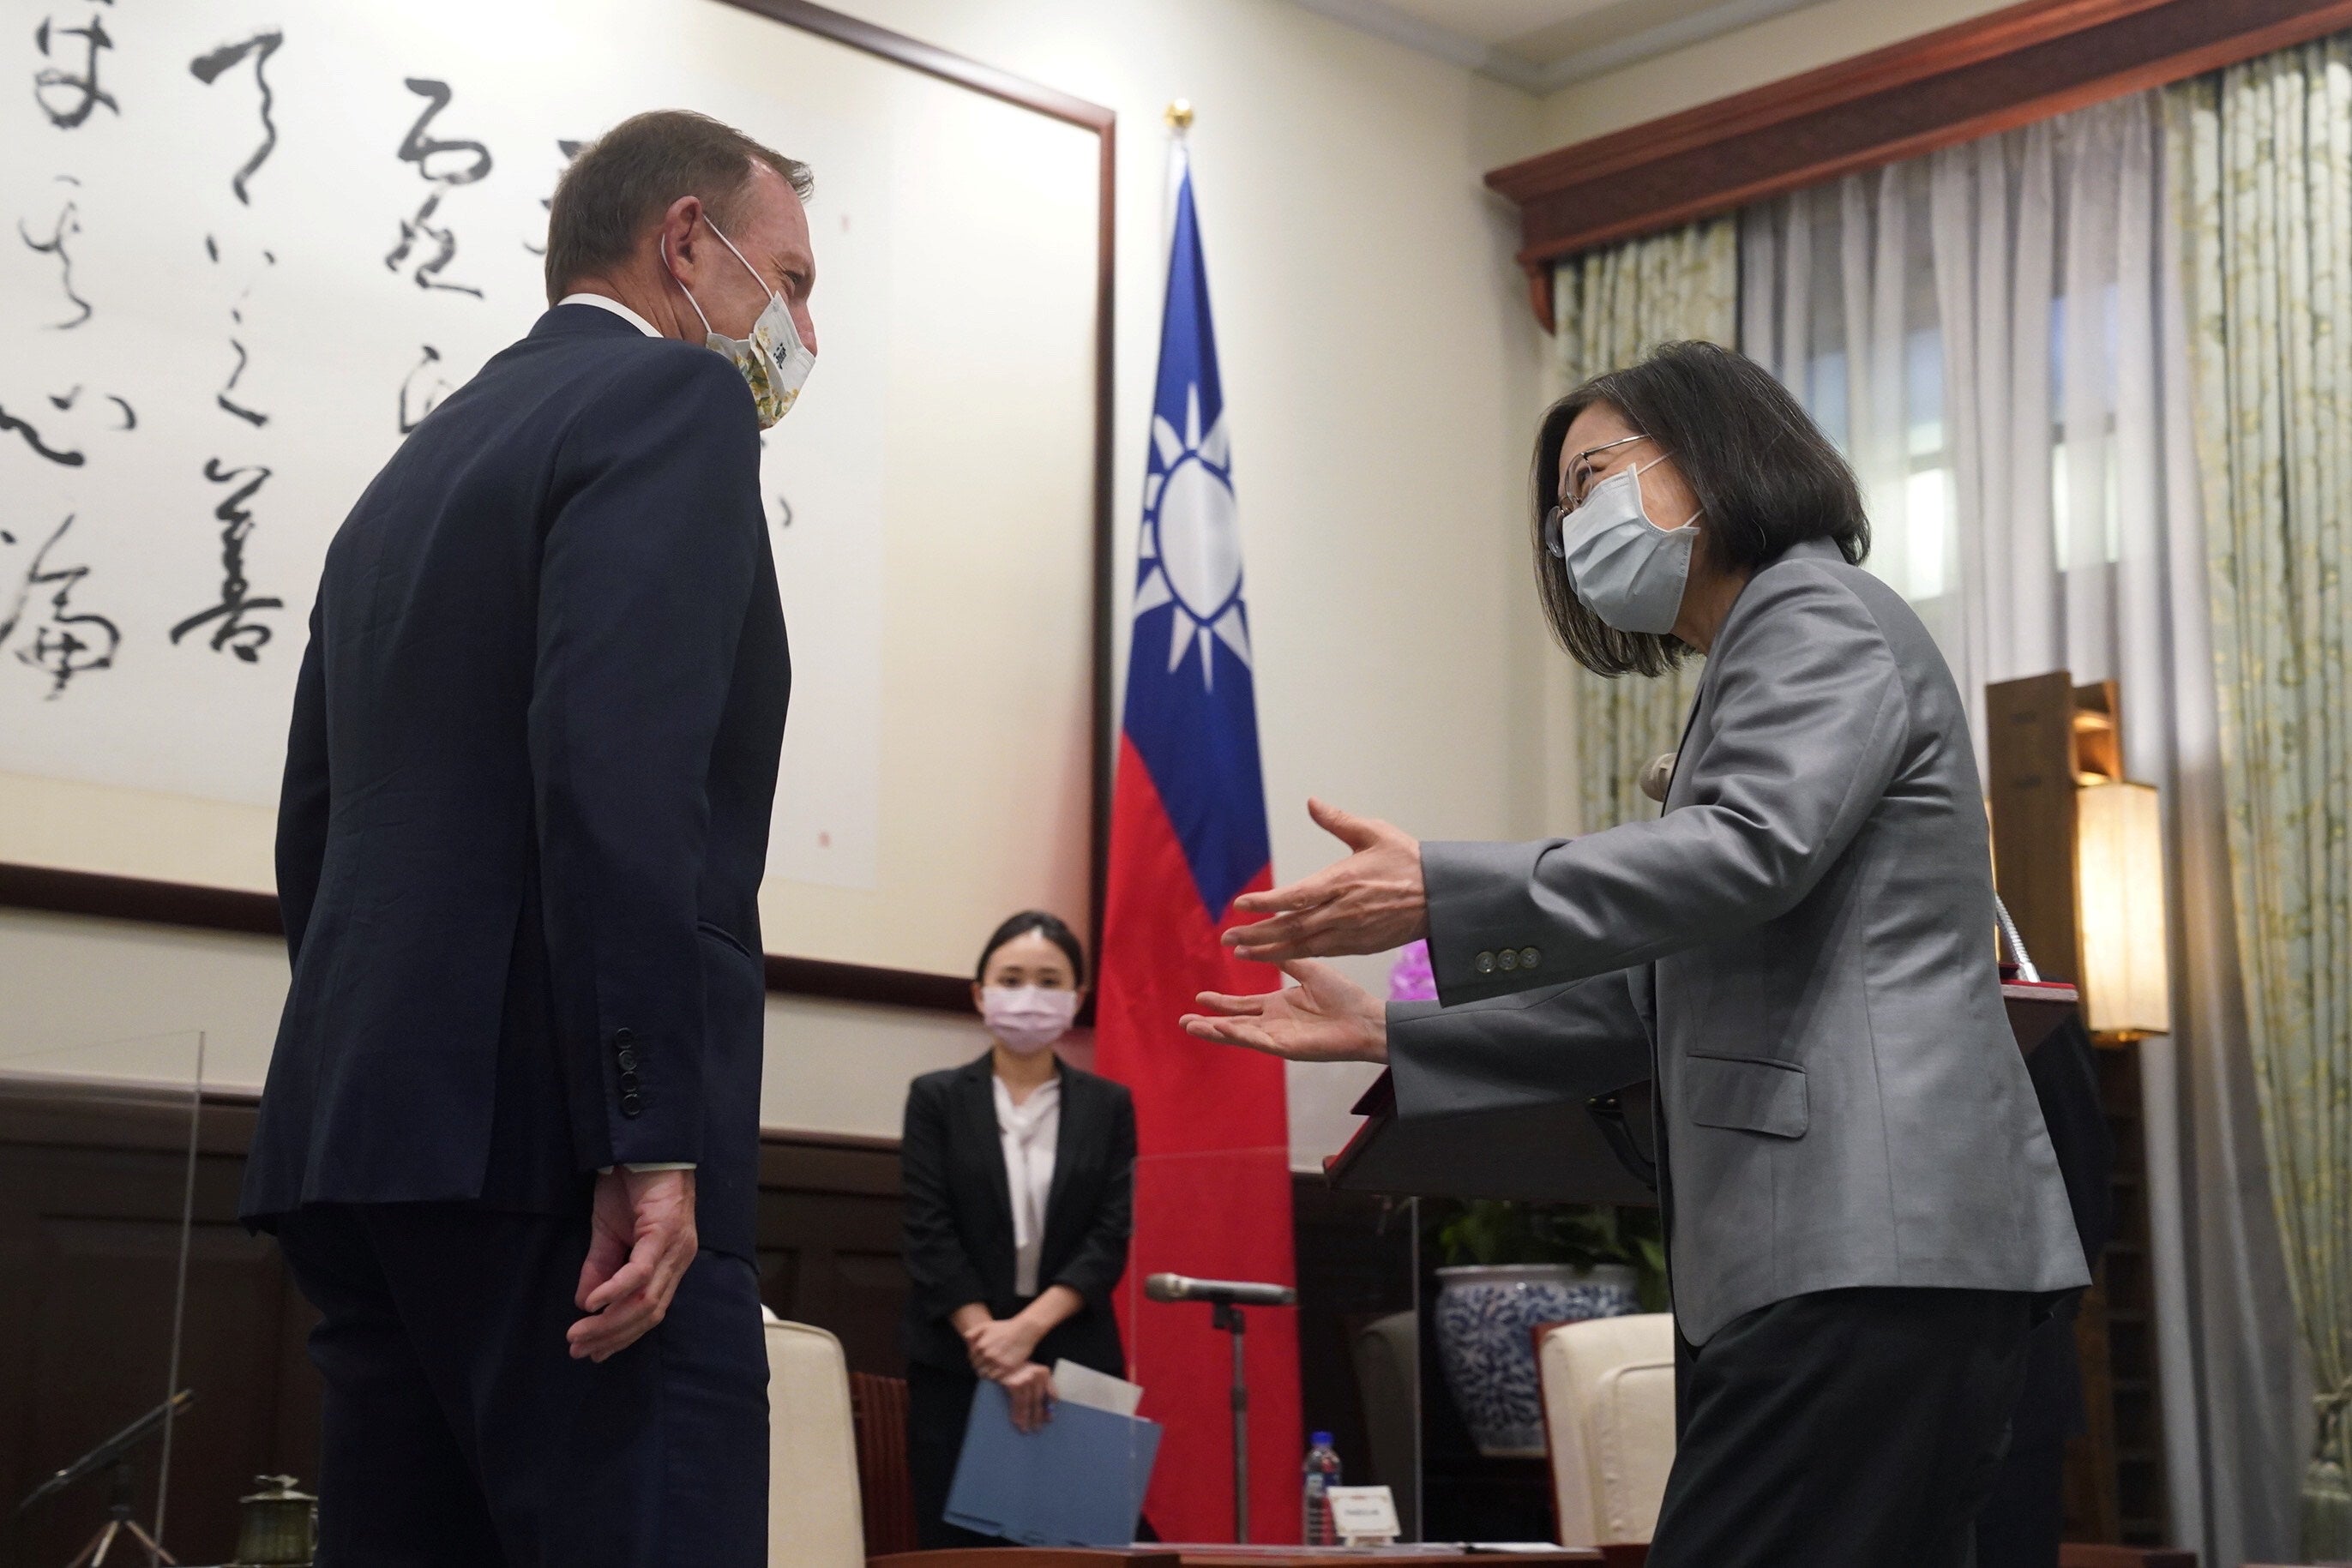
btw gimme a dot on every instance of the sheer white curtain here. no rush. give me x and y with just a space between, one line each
1995 336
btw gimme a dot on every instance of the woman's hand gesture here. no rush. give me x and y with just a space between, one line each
1325 1017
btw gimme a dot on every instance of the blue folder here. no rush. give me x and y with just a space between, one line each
1078 1480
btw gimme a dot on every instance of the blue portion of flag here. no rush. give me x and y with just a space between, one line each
1192 708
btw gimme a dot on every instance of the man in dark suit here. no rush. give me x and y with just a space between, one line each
511 1131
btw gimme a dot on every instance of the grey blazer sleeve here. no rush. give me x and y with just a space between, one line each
1560 1043
1809 719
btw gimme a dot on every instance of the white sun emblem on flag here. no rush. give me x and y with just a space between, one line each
1191 542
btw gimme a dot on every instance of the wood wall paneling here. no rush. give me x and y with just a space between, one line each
2006 69
91 1181
90 1187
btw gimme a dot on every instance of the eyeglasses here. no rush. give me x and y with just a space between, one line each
1572 494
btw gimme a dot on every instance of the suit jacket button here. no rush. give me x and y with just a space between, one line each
627 1060
628 1083
1508 960
624 1036
630 1104
1530 957
1483 963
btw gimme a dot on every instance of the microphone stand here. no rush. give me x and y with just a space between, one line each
113 1457
1226 1298
1228 1316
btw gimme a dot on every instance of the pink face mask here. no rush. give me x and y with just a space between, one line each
1027 1019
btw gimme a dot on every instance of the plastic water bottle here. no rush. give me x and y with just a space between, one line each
1322 1469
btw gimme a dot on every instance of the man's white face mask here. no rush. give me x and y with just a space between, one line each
773 360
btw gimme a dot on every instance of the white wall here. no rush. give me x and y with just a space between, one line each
1381 370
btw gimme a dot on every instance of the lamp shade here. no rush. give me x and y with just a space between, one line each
2119 882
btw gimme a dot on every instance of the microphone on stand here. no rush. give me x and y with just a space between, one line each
1237 1292
1225 1299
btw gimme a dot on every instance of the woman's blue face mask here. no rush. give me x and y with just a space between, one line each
1624 568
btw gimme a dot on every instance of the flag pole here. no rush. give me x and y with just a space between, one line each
1177 117
1228 1316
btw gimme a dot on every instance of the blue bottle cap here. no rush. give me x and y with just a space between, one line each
1319 1440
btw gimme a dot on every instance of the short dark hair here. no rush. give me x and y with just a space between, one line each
1052 927
625 179
1766 475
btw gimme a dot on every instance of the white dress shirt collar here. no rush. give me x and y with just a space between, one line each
606 302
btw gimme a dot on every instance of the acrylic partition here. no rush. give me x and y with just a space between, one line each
1342 1358
99 1157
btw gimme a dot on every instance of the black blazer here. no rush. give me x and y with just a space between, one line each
959 1213
527 796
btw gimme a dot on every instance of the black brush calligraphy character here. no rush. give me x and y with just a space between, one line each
81 93
445 165
252 416
237 635
209 67
422 390
570 150
9 421
64 642
130 414
68 225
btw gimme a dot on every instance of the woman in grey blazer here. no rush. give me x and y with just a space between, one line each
1863 1213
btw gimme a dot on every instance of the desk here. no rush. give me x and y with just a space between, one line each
1211 1554
1435 1554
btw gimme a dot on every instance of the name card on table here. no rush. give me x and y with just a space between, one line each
1363 1516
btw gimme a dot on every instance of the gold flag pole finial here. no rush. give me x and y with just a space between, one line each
1179 116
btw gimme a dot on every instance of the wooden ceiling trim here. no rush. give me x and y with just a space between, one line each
2006 69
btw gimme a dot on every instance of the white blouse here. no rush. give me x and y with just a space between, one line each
1028 1131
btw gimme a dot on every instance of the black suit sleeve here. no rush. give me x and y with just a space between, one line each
939 1268
303 799
1101 1257
645 574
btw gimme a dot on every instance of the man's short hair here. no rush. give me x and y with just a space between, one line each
625 179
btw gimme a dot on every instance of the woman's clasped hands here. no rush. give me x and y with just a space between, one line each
1000 1349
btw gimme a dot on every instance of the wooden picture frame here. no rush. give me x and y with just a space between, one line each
62 890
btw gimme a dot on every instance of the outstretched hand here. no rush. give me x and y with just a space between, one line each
1369 903
1325 1017
641 1237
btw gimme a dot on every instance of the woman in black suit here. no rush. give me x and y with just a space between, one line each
1019 1178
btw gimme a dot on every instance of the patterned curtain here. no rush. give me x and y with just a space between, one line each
1613 306
2263 161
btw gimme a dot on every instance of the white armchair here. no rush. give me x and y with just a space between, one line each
813 1518
1608 1420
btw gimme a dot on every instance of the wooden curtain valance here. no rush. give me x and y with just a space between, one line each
2006 69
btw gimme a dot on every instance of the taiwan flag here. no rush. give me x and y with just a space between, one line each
1188 835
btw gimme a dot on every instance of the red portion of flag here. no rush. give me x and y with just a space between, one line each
1211 1189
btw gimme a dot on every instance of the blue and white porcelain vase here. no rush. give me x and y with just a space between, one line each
1487 1317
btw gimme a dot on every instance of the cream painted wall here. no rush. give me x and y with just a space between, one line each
1381 374
1767 51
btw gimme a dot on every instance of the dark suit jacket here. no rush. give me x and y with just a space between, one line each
959 1213
527 796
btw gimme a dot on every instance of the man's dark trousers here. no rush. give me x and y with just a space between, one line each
1856 1429
458 1430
